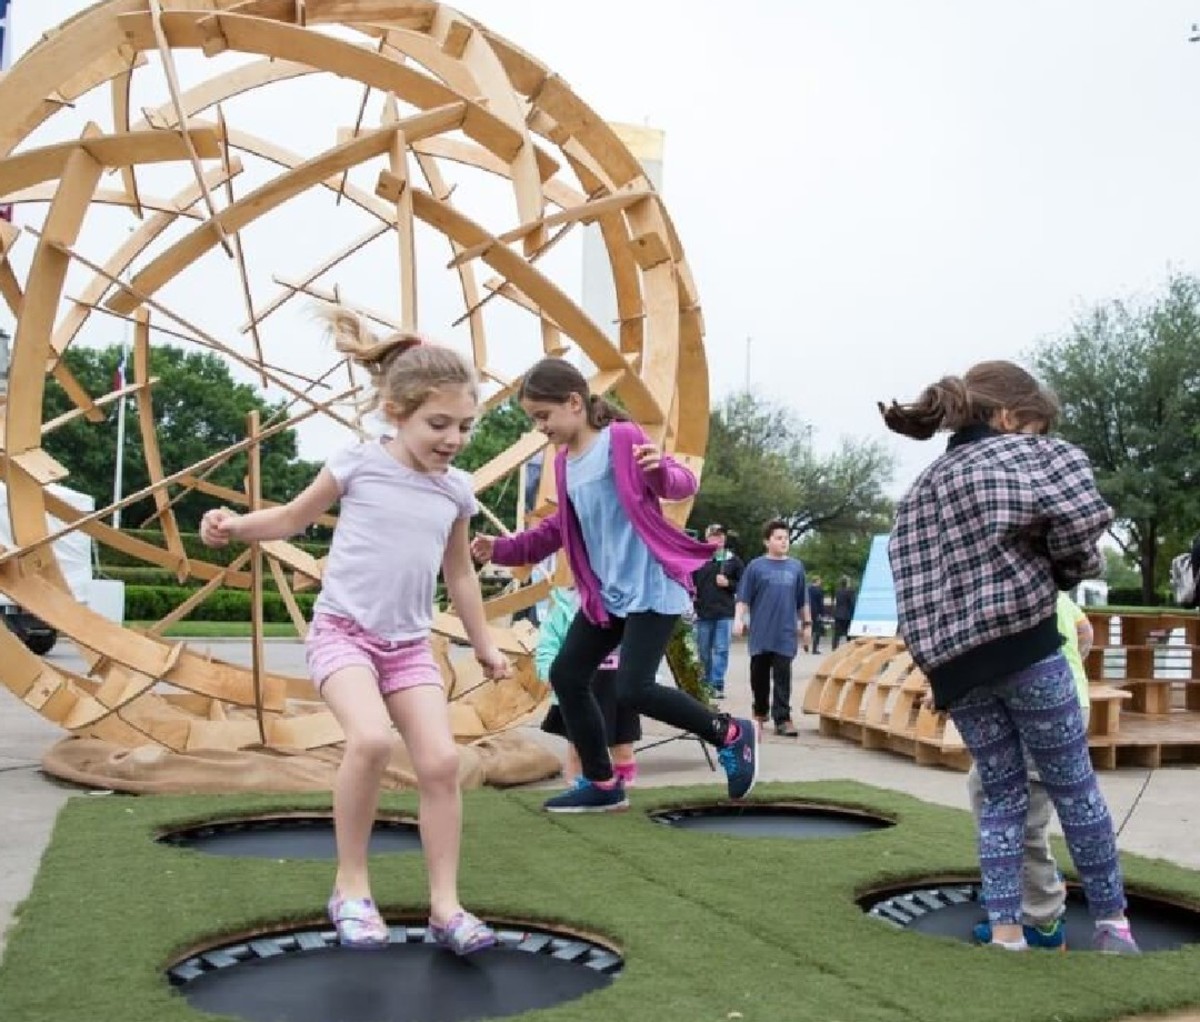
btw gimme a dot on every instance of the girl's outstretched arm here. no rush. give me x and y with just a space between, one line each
526 547
220 525
463 587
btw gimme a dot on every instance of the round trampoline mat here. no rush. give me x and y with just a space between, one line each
952 910
288 837
304 976
798 821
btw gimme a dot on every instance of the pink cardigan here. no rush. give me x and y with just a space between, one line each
639 493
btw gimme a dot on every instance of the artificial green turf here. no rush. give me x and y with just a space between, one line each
713 927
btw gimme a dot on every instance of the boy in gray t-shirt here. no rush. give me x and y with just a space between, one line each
773 593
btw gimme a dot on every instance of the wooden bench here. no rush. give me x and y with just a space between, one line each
1106 703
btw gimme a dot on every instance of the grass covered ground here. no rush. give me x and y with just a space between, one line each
712 927
219 629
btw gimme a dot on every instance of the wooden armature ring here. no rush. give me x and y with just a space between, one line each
455 96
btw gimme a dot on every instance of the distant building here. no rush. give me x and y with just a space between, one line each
599 295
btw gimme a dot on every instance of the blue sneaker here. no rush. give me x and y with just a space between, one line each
1048 938
585 797
740 758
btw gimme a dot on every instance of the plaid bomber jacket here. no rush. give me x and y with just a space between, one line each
983 541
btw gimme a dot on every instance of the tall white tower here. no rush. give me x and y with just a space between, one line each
599 295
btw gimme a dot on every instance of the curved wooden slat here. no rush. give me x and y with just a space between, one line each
122 86
565 312
133 246
150 451
135 147
254 35
276 192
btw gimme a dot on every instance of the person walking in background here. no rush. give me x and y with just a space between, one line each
844 601
716 583
773 596
983 542
816 610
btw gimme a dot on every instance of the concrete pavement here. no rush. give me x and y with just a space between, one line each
1162 825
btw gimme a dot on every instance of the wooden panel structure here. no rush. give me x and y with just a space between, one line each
436 98
1145 704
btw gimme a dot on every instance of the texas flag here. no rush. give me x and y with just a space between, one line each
5 52
122 365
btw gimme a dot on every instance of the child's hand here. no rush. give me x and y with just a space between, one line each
648 456
495 664
481 548
218 527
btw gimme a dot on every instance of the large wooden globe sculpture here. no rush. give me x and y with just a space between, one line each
173 164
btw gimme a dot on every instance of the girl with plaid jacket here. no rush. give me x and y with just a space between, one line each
983 542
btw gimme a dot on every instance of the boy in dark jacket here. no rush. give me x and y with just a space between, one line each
716 585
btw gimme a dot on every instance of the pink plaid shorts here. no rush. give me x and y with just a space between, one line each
336 642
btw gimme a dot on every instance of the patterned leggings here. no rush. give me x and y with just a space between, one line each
1037 709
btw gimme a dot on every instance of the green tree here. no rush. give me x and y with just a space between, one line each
834 553
1128 378
497 430
198 409
760 464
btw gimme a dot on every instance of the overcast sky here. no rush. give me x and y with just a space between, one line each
880 192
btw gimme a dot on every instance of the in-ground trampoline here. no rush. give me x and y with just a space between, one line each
796 820
304 976
288 836
952 910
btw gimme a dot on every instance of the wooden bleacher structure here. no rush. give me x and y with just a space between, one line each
1145 696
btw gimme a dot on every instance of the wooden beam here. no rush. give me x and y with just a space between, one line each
132 148
206 340
398 166
121 87
585 213
142 494
239 252
168 64
130 389
328 53
291 289
150 449
120 261
254 501
276 192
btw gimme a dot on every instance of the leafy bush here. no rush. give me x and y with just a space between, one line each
1122 597
112 558
150 603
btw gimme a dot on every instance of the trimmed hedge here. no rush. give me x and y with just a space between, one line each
150 603
112 558
1132 597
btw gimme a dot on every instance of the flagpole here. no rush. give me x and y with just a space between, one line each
119 470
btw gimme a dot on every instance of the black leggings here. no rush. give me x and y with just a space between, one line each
643 640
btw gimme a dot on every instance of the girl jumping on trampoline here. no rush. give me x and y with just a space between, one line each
404 514
983 541
633 571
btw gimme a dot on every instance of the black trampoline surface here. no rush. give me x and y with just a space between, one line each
765 819
305 977
952 910
288 837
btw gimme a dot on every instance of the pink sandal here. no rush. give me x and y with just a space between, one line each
464 934
358 923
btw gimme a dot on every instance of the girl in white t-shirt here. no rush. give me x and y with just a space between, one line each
404 513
